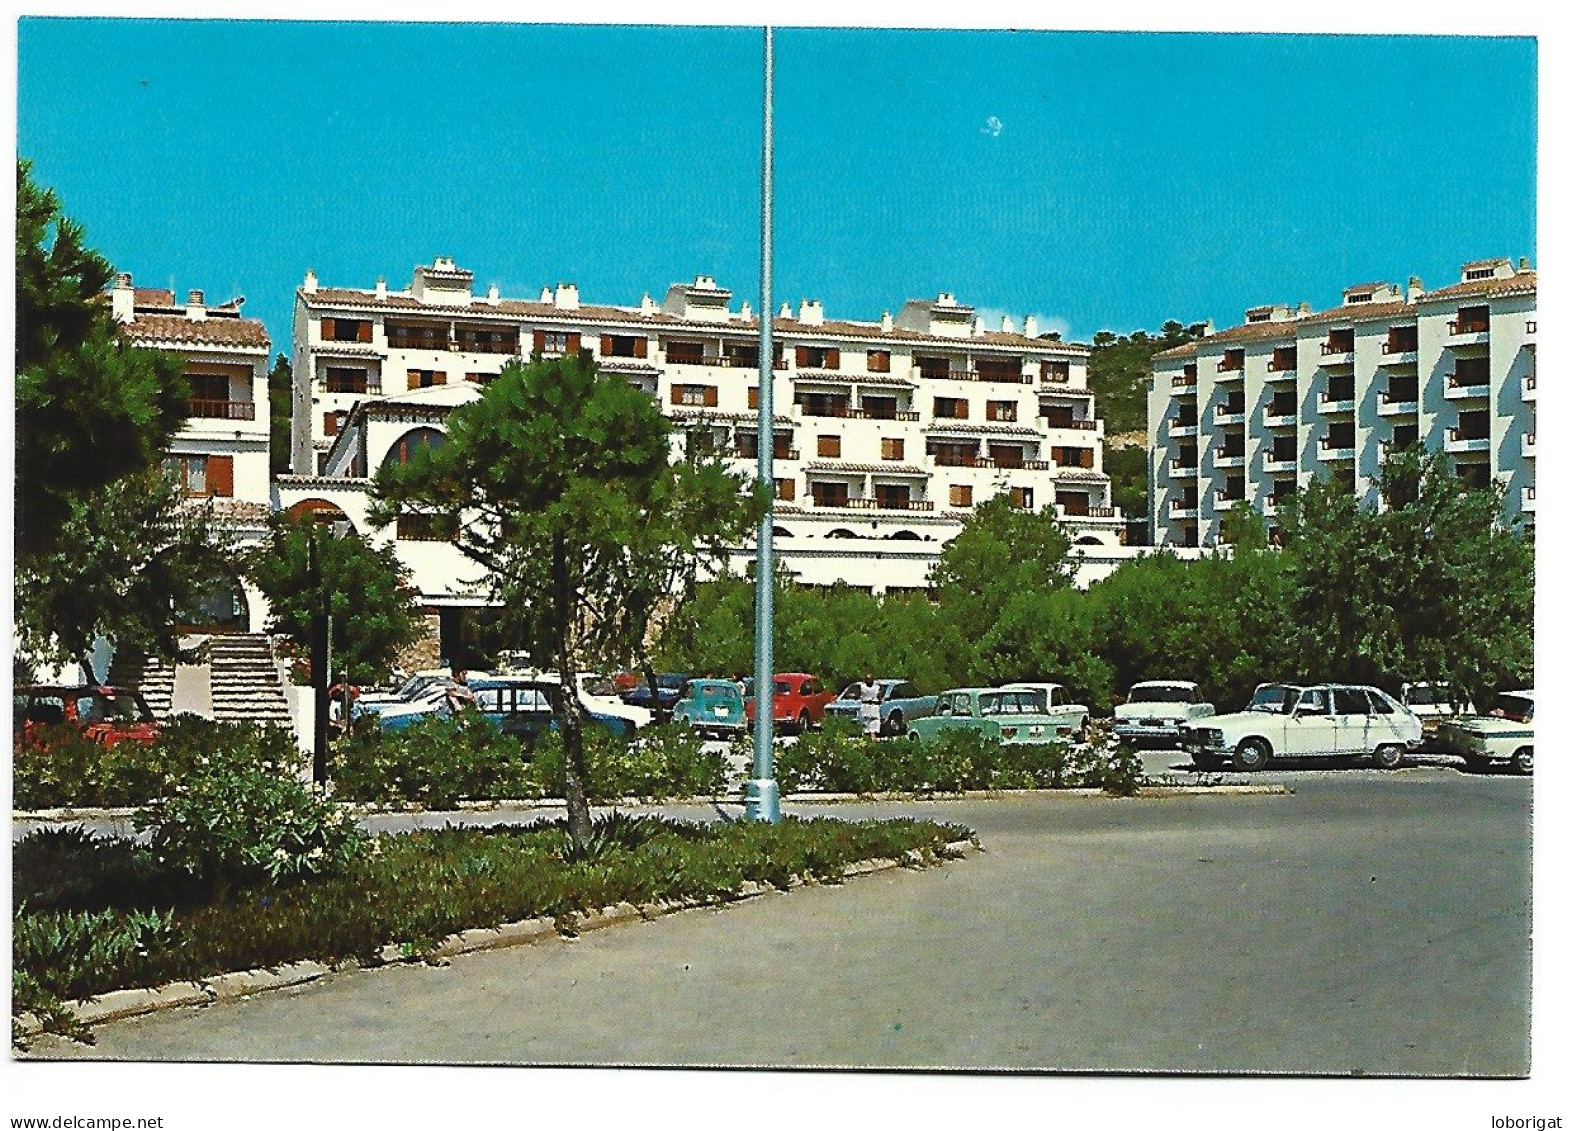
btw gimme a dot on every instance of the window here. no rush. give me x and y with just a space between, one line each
411 442
1285 359
1082 457
426 378
1340 436
1405 435
331 422
1282 404
931 367
831 494
1185 418
892 447
474 339
623 345
1235 404
998 369
202 475
1359 297
1073 502
1473 426
1283 449
1380 704
824 404
342 379
753 397
786 490
1021 497
345 330
815 357
1479 273
1055 372
1312 702
1402 339
417 336
1231 361
1473 371
1002 410
1340 388
879 408
830 447
961 495
1471 320
1338 341
1350 701
1007 455
950 408
892 496
878 361
698 396
685 353
1233 488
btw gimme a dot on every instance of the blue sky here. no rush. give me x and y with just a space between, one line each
1097 180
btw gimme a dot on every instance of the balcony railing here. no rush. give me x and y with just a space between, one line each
1183 381
1035 465
962 461
1052 378
221 410
753 453
875 504
1465 385
1332 347
357 387
1391 347
954 374
1078 425
1461 326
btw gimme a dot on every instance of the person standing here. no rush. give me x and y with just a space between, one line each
868 709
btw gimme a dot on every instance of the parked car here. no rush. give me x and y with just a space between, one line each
1319 721
599 696
1506 734
669 687
1155 709
1056 702
106 715
407 692
441 699
800 700
1010 714
525 706
899 705
712 705
1434 702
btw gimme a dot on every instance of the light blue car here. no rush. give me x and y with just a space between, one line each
711 705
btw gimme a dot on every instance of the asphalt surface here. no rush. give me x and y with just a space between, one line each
1369 923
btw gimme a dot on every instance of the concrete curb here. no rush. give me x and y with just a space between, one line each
120 1004
530 805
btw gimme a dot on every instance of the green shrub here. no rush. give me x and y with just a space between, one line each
659 762
437 762
69 770
232 822
838 758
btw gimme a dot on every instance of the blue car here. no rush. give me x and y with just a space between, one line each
669 686
713 705
526 708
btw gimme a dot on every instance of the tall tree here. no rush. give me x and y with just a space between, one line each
90 407
1433 586
548 480
373 607
1001 551
280 408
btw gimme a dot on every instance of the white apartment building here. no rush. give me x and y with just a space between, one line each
220 455
1256 411
887 434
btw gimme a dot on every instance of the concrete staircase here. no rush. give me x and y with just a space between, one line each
147 674
246 684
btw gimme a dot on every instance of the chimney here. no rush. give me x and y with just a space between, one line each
547 297
945 299
647 305
567 296
1304 309
122 300
886 323
812 312
1522 264
1006 325
746 313
1416 287
1207 329
310 285
785 310
382 289
493 295
196 309
1030 329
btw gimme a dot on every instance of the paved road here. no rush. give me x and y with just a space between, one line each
1368 923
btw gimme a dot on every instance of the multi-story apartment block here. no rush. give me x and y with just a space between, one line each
220 454
887 433
1256 411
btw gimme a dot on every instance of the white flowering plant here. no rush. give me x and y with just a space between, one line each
239 822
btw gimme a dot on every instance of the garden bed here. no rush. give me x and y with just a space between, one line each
95 916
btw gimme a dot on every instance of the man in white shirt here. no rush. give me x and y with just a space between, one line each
868 711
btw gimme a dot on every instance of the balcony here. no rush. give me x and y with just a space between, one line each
1083 514
1276 419
356 388
1334 403
1178 470
1399 404
874 504
1399 353
781 454
1222 457
1179 429
1228 416
1273 373
1528 505
1185 382
1530 388
1528 445
1467 332
1336 450
960 461
1466 387
1182 508
1228 372
1072 424
1275 463
198 409
1337 352
1459 444
957 374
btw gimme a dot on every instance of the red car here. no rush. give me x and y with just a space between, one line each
799 700
107 715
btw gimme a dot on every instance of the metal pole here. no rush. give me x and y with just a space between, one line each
763 798
319 665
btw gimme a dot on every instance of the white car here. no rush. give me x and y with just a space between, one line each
1324 720
1068 716
1504 735
599 696
1155 709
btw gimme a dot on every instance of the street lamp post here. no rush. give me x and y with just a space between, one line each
763 798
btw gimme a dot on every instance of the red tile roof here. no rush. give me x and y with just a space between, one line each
1522 283
155 329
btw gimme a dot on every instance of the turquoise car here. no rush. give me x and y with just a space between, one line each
711 705
1012 715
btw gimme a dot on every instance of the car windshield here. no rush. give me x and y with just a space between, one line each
1160 693
1273 699
671 681
715 693
1514 707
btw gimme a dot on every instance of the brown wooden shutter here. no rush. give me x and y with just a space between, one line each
832 359
802 357
711 396
641 347
439 378
363 332
330 424
753 398
574 341
221 475
786 489
414 379
962 408
540 341
327 329
605 345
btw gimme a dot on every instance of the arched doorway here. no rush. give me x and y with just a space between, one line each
320 511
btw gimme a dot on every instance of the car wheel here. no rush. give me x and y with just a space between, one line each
803 723
1252 754
1388 757
1523 761
897 723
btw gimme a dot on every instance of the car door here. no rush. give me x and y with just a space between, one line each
1351 709
1311 728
